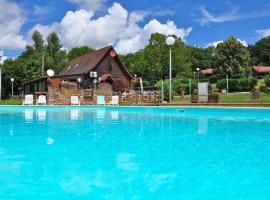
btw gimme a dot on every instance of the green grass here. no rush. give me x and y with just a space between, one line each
231 98
179 99
243 98
11 102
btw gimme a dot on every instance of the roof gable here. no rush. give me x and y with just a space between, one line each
88 62
85 63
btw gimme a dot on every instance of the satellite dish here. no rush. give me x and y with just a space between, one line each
50 72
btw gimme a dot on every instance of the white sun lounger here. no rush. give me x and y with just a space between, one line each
100 100
41 100
74 100
115 100
28 99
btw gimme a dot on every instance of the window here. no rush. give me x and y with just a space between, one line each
109 65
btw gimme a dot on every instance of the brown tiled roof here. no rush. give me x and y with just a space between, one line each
85 63
261 69
208 71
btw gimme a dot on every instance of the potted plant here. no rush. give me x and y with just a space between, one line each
194 96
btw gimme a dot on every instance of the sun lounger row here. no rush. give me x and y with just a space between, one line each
74 100
29 100
100 100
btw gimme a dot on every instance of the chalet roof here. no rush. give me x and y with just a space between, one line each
208 71
87 62
261 69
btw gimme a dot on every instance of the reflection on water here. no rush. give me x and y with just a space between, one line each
74 114
114 115
110 153
100 114
202 125
28 114
41 114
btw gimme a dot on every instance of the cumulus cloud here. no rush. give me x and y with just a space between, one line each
2 57
89 4
11 21
214 44
263 32
117 27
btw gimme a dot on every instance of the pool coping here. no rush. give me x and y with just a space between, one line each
224 106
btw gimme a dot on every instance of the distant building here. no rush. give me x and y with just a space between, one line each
260 71
208 72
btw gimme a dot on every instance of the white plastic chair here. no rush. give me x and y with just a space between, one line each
115 100
28 99
100 100
74 100
41 100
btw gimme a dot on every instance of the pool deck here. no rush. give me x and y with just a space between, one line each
256 105
243 105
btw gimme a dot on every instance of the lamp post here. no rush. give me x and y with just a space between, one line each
170 42
12 81
198 73
79 80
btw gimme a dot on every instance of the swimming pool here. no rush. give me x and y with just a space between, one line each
134 153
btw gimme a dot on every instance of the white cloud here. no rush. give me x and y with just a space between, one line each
117 27
263 32
2 57
11 21
139 40
214 44
89 4
209 17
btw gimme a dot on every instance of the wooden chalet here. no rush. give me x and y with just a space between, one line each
90 72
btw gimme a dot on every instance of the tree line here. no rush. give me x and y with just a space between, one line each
151 63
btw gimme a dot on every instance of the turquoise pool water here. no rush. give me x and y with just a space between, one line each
121 153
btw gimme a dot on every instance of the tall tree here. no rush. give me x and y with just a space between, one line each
78 51
152 62
38 41
55 56
201 57
232 58
260 52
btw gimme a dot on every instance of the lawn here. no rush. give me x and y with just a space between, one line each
230 98
243 98
11 102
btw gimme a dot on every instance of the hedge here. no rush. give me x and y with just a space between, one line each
238 85
267 81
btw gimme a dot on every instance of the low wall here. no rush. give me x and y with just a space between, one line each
58 96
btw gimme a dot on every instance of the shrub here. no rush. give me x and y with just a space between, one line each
238 85
267 81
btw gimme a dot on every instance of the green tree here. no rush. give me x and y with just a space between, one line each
78 51
260 52
152 62
38 41
232 58
55 57
201 57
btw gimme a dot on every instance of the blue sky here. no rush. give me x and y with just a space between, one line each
127 24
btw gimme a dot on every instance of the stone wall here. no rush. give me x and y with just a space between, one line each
58 96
